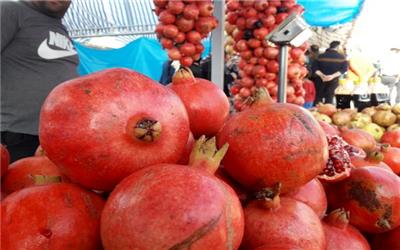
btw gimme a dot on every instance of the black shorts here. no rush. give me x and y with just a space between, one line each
19 145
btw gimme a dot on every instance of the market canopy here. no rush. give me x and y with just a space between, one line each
91 18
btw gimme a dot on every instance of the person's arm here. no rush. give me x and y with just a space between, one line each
342 70
344 67
9 22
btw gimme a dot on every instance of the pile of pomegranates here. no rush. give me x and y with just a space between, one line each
182 26
122 136
249 22
119 166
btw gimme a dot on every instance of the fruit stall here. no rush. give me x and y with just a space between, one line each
125 162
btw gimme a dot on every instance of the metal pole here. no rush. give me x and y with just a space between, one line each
283 61
217 45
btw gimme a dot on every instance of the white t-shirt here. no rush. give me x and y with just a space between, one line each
390 64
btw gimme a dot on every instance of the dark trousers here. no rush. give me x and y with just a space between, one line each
19 145
325 90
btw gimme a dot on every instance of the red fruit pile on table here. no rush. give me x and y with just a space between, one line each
183 24
249 22
107 176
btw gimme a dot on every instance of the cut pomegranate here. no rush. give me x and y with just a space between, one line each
339 163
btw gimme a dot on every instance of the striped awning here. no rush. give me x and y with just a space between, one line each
94 18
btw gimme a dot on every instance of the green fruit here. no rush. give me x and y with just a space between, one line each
361 119
375 130
357 124
324 118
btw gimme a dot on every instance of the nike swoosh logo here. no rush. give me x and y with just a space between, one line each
45 52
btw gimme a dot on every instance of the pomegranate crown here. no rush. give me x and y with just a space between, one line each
338 218
269 196
205 154
183 76
259 97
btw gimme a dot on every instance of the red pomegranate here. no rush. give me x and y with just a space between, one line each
391 156
340 235
89 126
278 247
330 130
312 194
358 138
273 143
206 104
372 196
373 159
386 241
169 206
5 160
285 220
339 164
56 216
392 138
31 171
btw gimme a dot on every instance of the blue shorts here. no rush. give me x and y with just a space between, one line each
308 105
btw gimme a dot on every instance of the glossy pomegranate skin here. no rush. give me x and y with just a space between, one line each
392 137
87 126
273 143
5 160
22 173
351 238
169 206
278 247
359 162
344 238
391 156
358 138
386 241
293 223
206 104
57 216
330 130
372 196
312 194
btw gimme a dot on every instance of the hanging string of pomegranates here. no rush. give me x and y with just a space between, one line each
248 22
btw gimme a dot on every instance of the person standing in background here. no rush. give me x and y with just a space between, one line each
390 72
36 55
309 98
311 57
327 69
167 73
